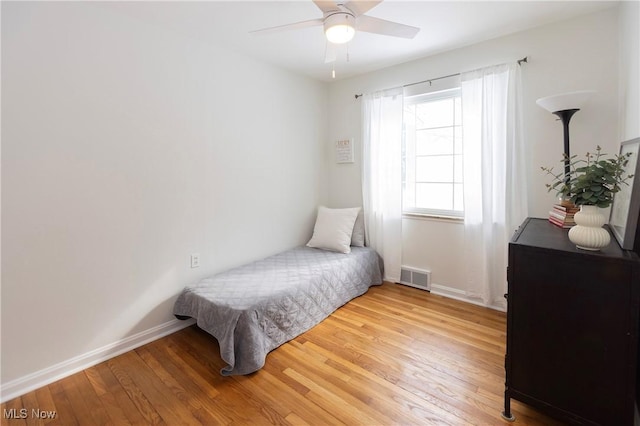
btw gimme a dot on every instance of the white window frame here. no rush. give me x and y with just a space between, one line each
417 211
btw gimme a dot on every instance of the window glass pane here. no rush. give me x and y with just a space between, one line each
457 143
409 153
457 168
435 114
458 200
434 141
434 169
409 185
434 196
433 153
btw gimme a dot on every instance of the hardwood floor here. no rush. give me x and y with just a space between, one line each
395 355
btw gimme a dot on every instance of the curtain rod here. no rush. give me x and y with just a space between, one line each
520 61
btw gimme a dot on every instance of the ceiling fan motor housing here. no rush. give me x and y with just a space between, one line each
339 27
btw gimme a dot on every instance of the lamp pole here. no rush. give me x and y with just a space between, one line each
565 115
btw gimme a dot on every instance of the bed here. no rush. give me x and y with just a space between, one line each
255 308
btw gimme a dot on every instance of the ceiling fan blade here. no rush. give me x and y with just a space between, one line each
326 5
360 7
370 24
330 53
297 25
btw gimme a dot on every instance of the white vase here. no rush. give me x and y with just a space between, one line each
588 234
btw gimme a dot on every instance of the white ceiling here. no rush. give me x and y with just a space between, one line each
444 25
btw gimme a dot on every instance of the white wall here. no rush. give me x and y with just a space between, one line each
581 53
629 70
125 148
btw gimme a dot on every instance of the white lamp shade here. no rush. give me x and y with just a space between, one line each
564 101
339 28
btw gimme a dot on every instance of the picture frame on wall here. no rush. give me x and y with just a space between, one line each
344 151
625 209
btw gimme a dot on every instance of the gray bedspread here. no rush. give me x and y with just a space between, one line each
255 308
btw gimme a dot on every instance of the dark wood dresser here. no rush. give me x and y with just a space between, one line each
572 327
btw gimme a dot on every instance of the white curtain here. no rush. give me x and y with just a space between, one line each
382 177
495 190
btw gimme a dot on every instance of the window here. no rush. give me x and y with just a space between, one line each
432 154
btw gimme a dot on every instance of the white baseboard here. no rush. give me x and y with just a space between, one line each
454 293
48 375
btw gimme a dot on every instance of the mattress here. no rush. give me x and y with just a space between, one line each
255 308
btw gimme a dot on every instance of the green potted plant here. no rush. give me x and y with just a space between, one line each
590 184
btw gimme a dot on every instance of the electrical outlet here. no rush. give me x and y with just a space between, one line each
195 260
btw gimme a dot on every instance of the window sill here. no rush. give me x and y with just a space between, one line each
434 217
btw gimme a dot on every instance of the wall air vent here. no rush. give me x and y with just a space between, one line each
413 277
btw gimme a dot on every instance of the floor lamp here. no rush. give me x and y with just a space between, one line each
564 106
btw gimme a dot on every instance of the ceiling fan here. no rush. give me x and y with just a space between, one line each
341 20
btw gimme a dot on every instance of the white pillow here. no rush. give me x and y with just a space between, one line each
333 229
357 238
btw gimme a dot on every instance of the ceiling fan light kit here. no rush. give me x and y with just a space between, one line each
340 27
340 21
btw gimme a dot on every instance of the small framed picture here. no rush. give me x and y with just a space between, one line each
344 151
625 209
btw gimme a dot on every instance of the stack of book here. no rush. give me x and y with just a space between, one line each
562 216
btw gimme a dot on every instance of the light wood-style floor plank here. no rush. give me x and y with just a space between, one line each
396 355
